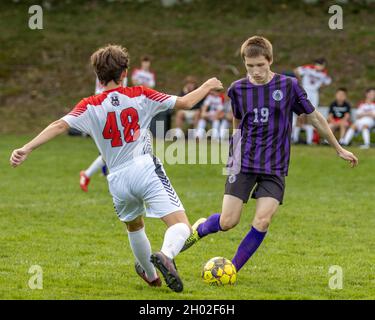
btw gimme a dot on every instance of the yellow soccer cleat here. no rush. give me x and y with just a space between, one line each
194 237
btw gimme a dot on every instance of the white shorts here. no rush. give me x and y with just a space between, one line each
190 115
142 186
365 121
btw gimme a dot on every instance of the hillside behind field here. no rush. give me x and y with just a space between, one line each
43 73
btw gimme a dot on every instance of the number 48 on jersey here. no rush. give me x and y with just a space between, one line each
129 119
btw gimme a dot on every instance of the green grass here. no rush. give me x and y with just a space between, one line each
327 219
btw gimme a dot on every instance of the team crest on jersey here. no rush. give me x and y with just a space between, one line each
115 101
277 95
232 178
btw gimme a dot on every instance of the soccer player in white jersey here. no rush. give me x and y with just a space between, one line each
143 76
212 109
98 163
312 78
118 120
365 120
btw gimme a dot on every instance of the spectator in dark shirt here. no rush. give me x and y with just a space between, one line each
190 116
339 113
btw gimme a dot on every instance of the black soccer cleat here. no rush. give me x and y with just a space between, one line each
168 269
142 274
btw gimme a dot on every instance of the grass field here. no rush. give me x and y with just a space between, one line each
328 219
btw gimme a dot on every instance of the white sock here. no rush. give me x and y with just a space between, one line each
179 133
215 129
95 166
296 131
174 239
224 134
309 133
366 136
201 128
141 248
349 136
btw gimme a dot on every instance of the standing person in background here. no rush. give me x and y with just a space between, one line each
143 76
312 77
339 113
190 116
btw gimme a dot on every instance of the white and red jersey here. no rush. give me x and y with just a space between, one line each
143 78
365 107
118 121
214 103
312 80
99 88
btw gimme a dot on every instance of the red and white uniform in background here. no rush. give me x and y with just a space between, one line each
118 121
312 80
144 78
368 121
99 88
215 104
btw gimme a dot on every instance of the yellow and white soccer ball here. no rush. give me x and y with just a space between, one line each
219 271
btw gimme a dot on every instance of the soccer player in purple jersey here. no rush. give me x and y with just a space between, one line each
263 104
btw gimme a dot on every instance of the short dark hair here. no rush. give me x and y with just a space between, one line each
370 89
109 62
146 58
321 61
342 89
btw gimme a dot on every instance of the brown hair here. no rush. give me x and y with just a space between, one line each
109 62
257 46
145 58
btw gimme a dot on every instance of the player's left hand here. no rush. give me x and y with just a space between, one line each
348 156
18 156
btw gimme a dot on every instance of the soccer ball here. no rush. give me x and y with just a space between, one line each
219 271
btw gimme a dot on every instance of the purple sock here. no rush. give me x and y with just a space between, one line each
247 247
211 225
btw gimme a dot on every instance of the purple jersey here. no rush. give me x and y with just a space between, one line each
266 113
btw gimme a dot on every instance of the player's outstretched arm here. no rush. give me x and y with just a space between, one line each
54 129
321 124
192 98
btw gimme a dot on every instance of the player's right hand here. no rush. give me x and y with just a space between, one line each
18 156
214 84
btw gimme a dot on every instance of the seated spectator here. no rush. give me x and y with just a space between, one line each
226 117
339 113
143 76
190 116
212 111
365 120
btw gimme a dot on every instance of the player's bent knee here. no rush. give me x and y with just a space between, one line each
262 223
176 217
135 225
227 223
